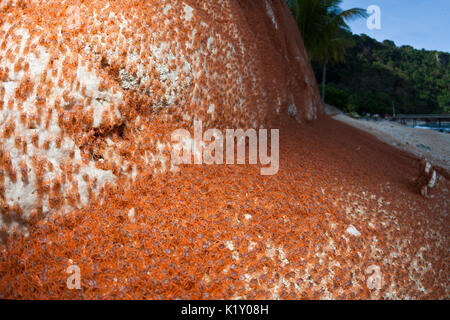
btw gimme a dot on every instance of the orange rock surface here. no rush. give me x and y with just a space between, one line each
89 93
91 90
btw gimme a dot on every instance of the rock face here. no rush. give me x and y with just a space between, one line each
90 90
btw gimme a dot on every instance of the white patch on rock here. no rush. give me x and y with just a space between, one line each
292 110
131 215
188 11
271 14
353 231
229 245
432 181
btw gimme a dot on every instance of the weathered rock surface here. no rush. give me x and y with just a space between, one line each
90 90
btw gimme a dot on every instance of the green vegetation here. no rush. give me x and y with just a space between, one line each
367 76
377 76
326 34
337 97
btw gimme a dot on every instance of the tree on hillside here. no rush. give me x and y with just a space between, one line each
415 81
326 34
444 102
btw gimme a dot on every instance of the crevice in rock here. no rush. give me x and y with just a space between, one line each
96 139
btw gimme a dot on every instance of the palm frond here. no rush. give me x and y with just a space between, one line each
323 25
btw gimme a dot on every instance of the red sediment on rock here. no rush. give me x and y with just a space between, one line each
225 231
108 80
103 84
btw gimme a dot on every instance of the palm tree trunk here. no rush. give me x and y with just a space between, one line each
324 77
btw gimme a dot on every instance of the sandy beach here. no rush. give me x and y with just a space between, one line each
433 145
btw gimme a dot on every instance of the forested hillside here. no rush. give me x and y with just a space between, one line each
376 76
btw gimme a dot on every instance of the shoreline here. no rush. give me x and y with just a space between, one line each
435 146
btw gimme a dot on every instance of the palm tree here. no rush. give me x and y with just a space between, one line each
326 34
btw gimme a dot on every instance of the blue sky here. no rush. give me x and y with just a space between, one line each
418 23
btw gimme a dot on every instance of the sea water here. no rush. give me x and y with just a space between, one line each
445 127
